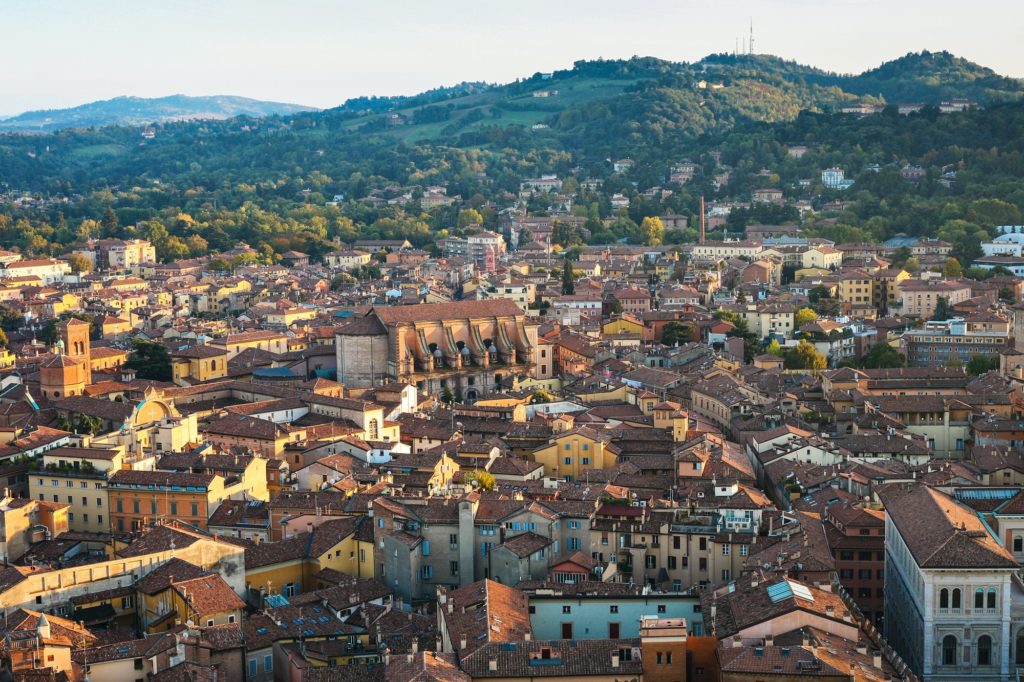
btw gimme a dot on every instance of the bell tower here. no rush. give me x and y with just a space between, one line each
75 335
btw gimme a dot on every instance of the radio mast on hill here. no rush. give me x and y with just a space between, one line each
751 35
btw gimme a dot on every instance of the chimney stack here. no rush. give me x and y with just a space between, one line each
615 660
462 643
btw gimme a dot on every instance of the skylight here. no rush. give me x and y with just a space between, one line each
787 589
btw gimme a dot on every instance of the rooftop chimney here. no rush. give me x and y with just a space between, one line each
615 660
462 642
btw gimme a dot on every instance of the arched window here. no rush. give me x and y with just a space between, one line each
943 598
949 645
372 429
991 604
956 598
984 650
979 598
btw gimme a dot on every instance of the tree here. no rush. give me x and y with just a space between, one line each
219 265
951 268
653 230
109 223
943 311
540 397
467 217
446 396
773 348
953 362
900 257
79 263
481 479
674 333
150 360
568 281
804 356
883 356
741 297
979 364
804 316
912 264
86 424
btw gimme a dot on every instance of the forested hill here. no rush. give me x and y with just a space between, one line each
130 111
300 181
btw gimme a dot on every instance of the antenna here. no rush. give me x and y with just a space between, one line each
702 214
751 35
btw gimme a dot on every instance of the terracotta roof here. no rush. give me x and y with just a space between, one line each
433 312
941 532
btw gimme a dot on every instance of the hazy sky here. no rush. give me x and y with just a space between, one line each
57 53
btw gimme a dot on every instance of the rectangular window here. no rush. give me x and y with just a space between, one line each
174 508
195 509
135 506
268 663
426 548
453 567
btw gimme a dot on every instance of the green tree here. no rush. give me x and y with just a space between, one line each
653 230
943 311
883 356
446 396
109 223
979 364
912 264
674 333
86 424
467 217
803 316
900 257
481 479
79 263
804 356
951 268
540 397
568 281
773 348
150 360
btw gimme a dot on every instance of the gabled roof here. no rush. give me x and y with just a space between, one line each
941 532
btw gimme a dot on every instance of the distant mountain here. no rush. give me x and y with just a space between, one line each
134 111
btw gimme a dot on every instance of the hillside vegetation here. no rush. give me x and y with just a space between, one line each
298 181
